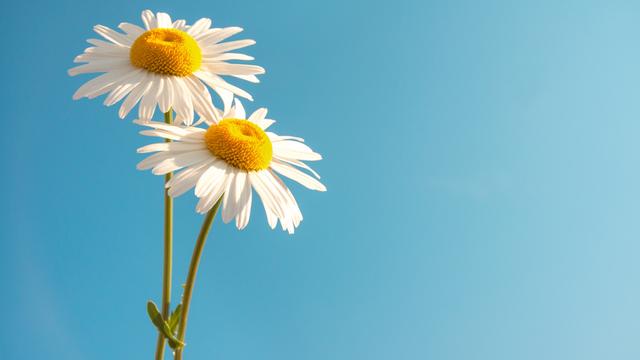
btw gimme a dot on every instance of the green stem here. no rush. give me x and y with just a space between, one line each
191 277
168 252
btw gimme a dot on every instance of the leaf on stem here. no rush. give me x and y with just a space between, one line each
162 325
174 319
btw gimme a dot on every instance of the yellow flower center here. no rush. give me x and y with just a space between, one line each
240 143
167 52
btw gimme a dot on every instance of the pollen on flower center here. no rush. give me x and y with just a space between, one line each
167 52
240 143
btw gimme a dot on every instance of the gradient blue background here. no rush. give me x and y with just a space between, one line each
482 166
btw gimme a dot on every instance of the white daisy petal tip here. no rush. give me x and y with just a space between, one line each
141 166
155 171
164 20
266 123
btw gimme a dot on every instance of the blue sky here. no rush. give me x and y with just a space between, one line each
481 161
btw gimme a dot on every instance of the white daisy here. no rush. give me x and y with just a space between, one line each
167 64
230 158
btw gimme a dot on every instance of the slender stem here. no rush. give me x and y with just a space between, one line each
191 277
168 252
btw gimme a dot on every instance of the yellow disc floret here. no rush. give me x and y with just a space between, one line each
240 143
167 52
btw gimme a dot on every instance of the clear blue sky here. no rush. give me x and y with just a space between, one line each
483 175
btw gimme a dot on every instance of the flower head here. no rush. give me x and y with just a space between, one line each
228 160
165 64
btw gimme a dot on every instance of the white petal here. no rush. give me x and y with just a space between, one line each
250 78
297 175
102 56
180 160
164 20
133 98
298 163
217 35
229 56
131 29
164 97
177 130
112 35
199 26
118 93
242 219
125 87
180 25
178 98
275 138
171 146
269 197
294 150
202 102
149 20
210 177
228 204
105 47
105 65
258 116
190 138
186 179
233 69
241 180
227 46
215 81
184 102
153 160
227 99
100 85
239 112
147 106
237 195
291 216
217 190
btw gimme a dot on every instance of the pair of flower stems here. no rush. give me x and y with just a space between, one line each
167 264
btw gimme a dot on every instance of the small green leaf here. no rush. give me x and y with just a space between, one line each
154 314
162 326
174 319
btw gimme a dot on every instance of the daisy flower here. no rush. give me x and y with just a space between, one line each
165 64
228 160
